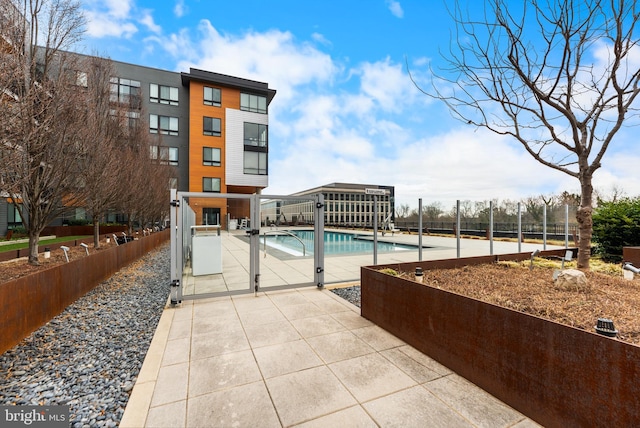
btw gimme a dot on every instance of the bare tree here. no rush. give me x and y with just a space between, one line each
402 210
40 110
99 157
559 76
432 211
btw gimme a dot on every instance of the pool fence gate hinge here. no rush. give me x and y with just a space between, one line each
175 203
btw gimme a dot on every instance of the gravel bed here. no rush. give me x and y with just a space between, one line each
89 356
350 294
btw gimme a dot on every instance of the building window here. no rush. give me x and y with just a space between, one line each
163 94
255 135
128 118
211 156
210 216
255 163
254 103
165 155
79 78
212 96
163 125
173 156
211 126
210 184
13 215
126 92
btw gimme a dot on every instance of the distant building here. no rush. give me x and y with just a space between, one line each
346 205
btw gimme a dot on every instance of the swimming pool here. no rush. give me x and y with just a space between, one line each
335 243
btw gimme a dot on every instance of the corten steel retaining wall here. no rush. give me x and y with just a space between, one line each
556 375
31 301
631 255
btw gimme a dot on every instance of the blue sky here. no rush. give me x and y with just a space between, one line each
346 109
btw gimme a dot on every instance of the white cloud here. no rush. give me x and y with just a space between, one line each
273 56
387 84
395 8
102 25
180 9
147 21
109 18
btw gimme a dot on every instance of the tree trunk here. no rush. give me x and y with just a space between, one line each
33 247
584 216
96 232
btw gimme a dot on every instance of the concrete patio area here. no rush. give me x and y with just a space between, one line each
302 357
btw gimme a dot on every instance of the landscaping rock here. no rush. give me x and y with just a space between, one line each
571 279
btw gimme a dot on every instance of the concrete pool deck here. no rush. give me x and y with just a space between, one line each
302 356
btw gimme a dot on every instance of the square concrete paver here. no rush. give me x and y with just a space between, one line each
283 358
476 405
271 334
242 406
413 408
353 417
231 339
316 326
371 376
222 372
339 346
308 394
171 384
168 415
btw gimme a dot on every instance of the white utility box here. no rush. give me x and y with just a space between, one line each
206 250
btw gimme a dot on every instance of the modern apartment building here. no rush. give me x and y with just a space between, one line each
346 205
212 127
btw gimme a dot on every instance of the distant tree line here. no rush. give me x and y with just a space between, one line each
504 211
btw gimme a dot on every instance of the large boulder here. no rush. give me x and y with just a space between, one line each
571 279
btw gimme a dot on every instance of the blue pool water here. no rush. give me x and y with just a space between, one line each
335 243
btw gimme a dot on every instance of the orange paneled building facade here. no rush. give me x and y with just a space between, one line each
228 142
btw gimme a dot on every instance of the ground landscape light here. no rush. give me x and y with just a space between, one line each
535 253
86 247
66 254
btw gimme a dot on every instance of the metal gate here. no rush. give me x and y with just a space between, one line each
203 247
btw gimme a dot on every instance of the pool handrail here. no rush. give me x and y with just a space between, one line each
277 232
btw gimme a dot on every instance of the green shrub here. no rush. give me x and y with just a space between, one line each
616 225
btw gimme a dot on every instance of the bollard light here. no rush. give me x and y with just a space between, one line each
419 275
66 252
47 252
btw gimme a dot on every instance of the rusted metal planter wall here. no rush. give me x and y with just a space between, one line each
631 255
555 374
31 301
